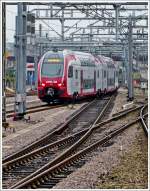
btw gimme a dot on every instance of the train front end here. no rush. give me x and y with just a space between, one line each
51 77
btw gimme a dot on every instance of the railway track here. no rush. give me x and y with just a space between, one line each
64 129
31 93
54 149
35 109
48 150
144 119
53 174
60 143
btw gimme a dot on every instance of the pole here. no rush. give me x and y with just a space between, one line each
36 68
40 35
62 20
3 62
20 98
126 65
117 23
36 59
91 34
116 7
40 30
130 78
137 59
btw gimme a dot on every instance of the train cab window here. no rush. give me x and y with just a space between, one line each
52 65
70 72
76 74
98 74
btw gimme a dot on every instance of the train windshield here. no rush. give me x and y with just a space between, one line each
53 65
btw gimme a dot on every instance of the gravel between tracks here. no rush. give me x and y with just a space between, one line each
101 164
39 125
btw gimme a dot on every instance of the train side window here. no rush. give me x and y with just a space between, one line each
70 72
104 73
76 74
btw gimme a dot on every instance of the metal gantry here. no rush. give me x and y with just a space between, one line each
107 22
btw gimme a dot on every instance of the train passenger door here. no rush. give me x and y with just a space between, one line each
70 80
99 79
104 79
76 79
73 79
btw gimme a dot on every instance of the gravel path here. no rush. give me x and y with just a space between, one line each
132 171
102 162
39 125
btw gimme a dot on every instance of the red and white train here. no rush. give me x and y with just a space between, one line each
67 74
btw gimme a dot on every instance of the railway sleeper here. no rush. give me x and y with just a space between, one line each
49 184
37 183
54 180
46 178
58 170
62 175
34 186
42 180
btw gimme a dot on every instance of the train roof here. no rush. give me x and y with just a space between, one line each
77 53
103 60
51 53
106 60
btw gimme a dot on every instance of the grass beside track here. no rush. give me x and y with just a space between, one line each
132 172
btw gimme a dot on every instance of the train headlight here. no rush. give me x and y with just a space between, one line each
43 85
59 85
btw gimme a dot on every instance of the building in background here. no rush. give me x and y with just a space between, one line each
11 67
10 56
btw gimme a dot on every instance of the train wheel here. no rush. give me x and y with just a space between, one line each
75 97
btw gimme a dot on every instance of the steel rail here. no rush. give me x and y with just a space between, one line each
144 125
47 137
19 160
123 111
27 93
76 144
71 149
10 163
32 107
45 150
39 178
33 154
35 109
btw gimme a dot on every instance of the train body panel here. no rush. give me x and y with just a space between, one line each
68 74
